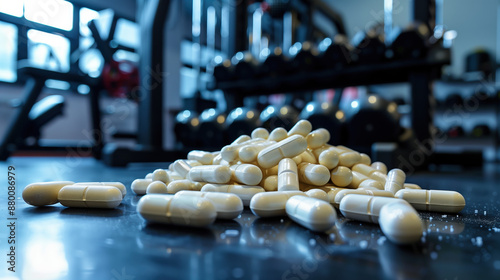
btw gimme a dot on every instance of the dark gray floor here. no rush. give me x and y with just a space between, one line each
61 243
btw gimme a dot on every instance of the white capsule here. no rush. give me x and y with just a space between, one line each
181 167
92 196
318 194
278 134
395 180
364 208
288 179
433 200
329 158
341 194
183 185
332 193
249 153
365 159
364 169
43 193
247 174
313 174
177 210
139 186
149 176
400 223
203 157
349 159
312 213
118 185
370 184
317 138
227 205
288 148
210 173
174 175
230 152
270 171
271 204
270 183
156 187
411 186
357 179
217 159
161 175
302 127
380 166
308 156
241 139
260 133
244 192
193 162
378 176
341 176
297 159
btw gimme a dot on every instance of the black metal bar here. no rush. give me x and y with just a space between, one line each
422 112
425 11
102 45
17 125
95 113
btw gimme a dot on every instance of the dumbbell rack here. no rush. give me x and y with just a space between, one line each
418 72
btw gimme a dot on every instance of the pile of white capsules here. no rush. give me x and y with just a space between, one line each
295 174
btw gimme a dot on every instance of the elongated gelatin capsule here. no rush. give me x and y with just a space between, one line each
317 138
365 159
243 191
161 175
181 167
249 153
341 194
43 193
329 158
302 127
357 179
271 204
260 132
433 200
400 223
118 185
411 186
278 134
92 196
156 187
139 186
203 157
380 167
287 148
230 152
288 179
210 173
312 213
241 139
308 156
365 208
313 174
341 176
370 184
183 185
227 205
270 183
177 210
318 194
395 180
247 174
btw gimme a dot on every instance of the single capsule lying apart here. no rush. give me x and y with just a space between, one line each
91 196
227 205
433 200
177 210
400 223
271 204
43 193
364 208
312 213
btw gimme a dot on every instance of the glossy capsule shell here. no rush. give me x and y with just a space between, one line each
227 205
271 204
288 179
287 148
312 213
365 159
181 167
43 193
308 156
270 183
177 210
278 134
329 158
318 194
302 127
249 153
317 138
313 174
156 187
183 185
118 185
433 200
203 157
379 166
260 132
247 174
161 175
210 173
140 186
245 193
400 223
365 208
91 196
341 176
395 180
341 194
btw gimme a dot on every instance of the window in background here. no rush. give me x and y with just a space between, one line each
12 7
8 52
55 13
48 51
127 33
91 60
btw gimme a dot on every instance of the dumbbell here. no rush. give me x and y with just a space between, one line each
412 42
305 57
325 115
455 131
245 65
223 70
241 121
335 53
274 64
186 128
372 119
481 130
212 129
369 47
275 116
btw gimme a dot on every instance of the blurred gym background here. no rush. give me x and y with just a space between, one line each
412 83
